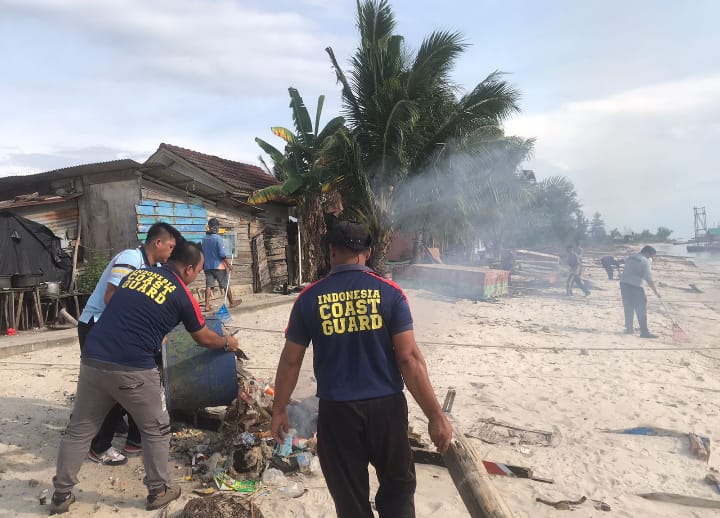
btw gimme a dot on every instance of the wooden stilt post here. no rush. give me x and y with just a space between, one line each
473 481
470 476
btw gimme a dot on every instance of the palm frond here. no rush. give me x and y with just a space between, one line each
284 133
434 61
267 195
318 112
330 128
347 92
274 153
301 117
375 20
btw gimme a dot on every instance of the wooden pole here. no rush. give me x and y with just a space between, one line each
73 280
472 480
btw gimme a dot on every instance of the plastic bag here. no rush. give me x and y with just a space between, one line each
274 477
294 490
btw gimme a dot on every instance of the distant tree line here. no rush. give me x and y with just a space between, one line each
598 234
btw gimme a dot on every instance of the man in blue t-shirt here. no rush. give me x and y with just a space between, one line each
363 350
118 366
217 265
159 244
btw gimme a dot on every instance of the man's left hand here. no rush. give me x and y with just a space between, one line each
440 431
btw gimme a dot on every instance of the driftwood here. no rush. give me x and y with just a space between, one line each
691 501
473 481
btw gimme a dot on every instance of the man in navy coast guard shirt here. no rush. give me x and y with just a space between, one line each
118 365
363 350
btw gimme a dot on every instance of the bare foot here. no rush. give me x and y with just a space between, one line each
235 304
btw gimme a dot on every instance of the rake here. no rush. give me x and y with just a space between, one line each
679 335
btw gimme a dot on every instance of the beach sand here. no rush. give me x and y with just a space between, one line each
536 359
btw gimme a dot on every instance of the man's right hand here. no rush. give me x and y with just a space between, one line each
440 431
279 425
233 343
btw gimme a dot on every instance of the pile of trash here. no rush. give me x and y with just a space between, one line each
242 458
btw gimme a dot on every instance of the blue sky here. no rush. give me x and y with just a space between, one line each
623 97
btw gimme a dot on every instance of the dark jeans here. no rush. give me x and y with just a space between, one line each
634 302
355 433
610 270
103 440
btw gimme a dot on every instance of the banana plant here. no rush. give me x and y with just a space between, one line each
311 167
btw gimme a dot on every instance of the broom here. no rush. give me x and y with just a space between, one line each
678 334
223 313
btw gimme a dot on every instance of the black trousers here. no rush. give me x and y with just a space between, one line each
103 440
353 434
610 270
634 303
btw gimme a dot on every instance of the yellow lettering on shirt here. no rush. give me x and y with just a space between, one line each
350 311
151 284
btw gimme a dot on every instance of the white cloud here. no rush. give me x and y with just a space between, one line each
221 45
642 158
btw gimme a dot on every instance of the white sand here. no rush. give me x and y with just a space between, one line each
595 377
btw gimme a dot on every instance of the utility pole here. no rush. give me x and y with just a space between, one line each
700 224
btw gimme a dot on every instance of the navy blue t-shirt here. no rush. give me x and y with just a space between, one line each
350 317
147 305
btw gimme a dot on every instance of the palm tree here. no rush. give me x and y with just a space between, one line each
309 167
404 113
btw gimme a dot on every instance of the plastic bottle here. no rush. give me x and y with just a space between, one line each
304 460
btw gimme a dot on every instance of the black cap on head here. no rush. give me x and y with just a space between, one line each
213 225
350 234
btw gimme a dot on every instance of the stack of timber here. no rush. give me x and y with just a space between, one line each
531 260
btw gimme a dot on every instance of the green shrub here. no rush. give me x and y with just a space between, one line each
89 278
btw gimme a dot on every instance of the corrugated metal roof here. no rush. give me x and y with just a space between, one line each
69 172
60 218
30 200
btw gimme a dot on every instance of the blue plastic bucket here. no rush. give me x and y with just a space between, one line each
196 377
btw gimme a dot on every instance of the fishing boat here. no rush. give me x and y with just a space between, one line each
706 239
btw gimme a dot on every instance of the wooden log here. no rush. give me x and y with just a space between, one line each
68 317
473 481
73 275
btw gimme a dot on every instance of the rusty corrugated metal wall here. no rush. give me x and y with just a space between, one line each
61 218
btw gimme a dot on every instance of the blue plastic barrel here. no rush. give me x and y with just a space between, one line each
196 377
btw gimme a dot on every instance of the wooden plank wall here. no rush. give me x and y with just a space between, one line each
274 221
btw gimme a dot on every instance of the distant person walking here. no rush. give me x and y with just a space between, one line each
610 264
574 262
638 268
217 264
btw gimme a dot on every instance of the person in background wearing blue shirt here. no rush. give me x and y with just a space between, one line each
118 366
364 351
217 265
637 269
160 241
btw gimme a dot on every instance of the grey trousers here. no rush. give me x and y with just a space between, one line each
100 386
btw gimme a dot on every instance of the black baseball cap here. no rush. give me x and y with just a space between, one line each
350 234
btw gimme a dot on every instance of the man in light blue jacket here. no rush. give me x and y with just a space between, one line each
638 268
